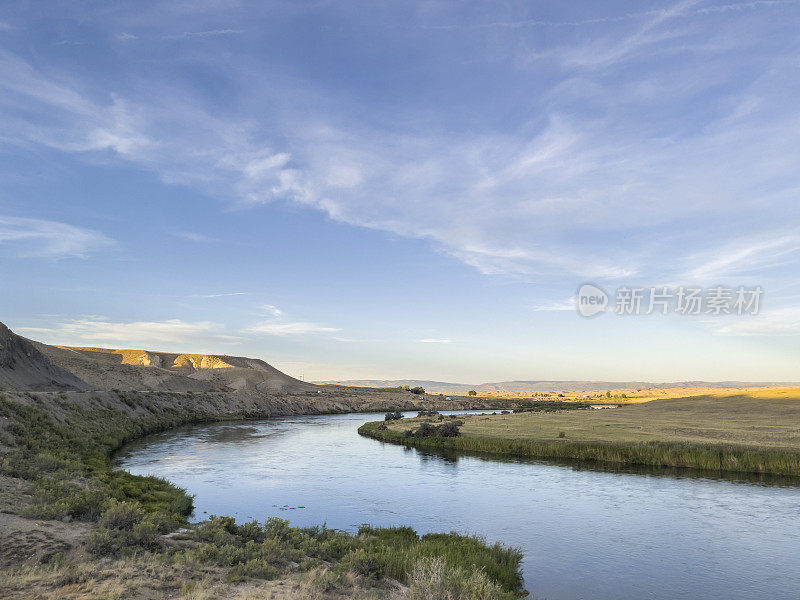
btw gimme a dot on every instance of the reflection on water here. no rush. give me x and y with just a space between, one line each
674 472
587 531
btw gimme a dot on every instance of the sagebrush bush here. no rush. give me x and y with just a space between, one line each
363 563
433 579
446 429
121 515
104 542
253 568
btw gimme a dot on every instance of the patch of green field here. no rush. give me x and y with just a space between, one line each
757 432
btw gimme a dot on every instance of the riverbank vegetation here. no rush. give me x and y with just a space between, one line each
757 432
134 539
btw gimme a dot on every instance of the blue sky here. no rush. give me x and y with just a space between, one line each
403 189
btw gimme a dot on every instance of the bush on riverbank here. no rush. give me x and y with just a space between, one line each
448 429
265 551
68 460
428 413
433 579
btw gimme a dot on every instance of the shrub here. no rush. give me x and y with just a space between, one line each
103 542
433 579
363 563
393 416
329 581
182 504
472 393
449 429
255 568
426 430
417 390
446 429
163 522
121 515
277 528
145 535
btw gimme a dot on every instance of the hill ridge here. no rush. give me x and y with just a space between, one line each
29 365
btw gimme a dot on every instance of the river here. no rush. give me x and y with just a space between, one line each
599 534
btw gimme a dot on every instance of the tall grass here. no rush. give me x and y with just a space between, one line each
264 551
711 457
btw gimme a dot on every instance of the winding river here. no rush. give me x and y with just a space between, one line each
593 534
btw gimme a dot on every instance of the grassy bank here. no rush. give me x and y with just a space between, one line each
59 447
757 432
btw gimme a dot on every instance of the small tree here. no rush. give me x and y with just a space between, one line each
417 390
472 393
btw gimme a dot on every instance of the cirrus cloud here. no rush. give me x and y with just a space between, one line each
98 330
42 238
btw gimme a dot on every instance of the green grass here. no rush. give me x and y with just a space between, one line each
373 553
757 433
68 460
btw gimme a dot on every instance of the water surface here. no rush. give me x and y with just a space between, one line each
594 534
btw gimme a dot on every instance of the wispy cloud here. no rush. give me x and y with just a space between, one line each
611 174
225 295
744 256
610 19
435 341
272 310
203 34
196 237
282 328
568 304
776 322
280 324
41 238
100 331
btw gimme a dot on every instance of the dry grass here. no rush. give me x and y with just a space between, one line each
630 395
769 418
754 432
432 579
148 578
